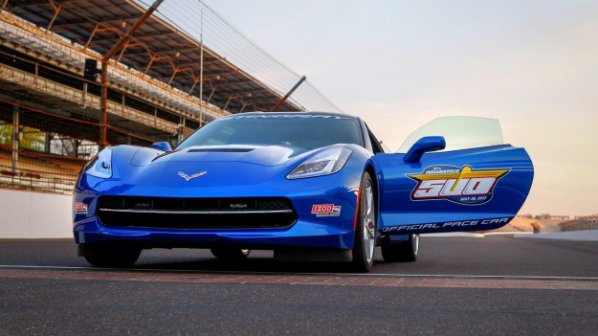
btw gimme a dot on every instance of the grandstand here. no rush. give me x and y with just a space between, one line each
162 83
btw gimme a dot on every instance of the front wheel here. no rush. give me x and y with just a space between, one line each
404 251
365 230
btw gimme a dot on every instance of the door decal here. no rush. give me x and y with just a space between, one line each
460 185
479 224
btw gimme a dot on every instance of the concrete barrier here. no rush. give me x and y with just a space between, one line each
27 214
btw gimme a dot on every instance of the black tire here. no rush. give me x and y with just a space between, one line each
363 253
113 258
402 252
230 253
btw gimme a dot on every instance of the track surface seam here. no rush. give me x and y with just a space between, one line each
309 279
386 275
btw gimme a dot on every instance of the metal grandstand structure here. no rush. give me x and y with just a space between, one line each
160 81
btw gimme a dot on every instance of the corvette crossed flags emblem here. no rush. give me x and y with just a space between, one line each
190 177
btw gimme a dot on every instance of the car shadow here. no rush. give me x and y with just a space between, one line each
253 264
249 266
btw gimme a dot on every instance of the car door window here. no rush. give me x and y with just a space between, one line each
376 145
459 133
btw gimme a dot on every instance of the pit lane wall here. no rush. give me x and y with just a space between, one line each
27 214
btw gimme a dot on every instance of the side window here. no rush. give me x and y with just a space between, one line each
376 145
459 133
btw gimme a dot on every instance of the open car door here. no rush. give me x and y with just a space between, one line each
452 174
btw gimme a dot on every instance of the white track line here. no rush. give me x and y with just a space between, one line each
387 275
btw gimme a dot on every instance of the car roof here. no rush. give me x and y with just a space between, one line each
297 113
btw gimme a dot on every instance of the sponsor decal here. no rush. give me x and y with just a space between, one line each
79 208
460 185
326 210
443 226
190 177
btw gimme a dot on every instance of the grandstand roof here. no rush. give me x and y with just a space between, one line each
158 49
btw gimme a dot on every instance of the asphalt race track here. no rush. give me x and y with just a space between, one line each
496 285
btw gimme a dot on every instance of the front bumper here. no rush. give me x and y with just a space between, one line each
308 231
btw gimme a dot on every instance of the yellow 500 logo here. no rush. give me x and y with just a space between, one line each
461 185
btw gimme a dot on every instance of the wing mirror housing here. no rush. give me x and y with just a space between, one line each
162 145
423 145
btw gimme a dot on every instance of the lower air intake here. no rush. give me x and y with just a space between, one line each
196 213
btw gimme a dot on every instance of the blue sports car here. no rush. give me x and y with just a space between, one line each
309 186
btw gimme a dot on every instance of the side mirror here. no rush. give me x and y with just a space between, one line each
423 145
163 146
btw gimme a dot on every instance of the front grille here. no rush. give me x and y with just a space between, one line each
195 213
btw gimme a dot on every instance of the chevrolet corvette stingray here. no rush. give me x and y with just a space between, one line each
309 186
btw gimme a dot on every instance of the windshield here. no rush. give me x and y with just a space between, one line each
307 131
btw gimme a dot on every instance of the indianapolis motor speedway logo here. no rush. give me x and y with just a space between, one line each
460 185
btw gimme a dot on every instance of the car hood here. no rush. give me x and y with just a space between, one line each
203 166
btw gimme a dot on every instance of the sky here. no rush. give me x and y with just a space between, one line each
532 64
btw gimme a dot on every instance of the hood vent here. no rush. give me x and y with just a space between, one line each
220 150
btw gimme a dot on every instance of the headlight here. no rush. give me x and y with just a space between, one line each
326 162
101 165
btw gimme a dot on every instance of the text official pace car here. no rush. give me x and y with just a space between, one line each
315 186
